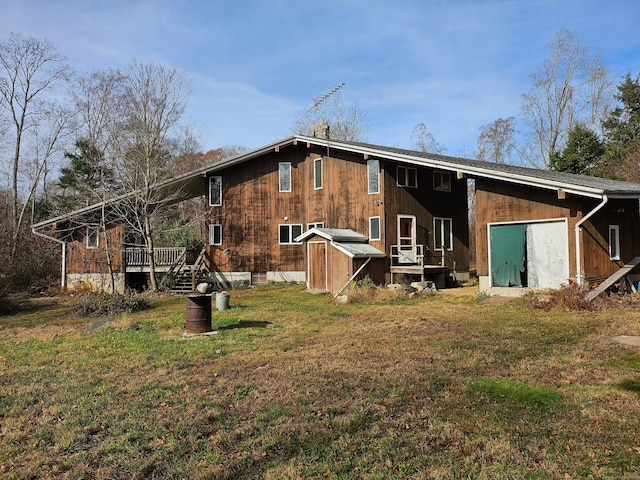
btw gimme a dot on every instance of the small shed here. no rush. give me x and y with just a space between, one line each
335 257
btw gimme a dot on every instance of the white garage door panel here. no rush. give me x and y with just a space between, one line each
547 255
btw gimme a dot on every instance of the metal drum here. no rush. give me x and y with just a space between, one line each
198 313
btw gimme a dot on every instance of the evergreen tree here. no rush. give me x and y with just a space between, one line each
622 129
581 154
83 180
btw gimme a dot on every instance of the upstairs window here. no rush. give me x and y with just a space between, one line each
442 181
407 176
374 228
284 171
288 233
317 173
614 242
373 176
215 191
315 225
442 233
93 236
215 234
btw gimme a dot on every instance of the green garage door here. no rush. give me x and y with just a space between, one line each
508 256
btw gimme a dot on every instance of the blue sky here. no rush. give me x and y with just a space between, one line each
254 65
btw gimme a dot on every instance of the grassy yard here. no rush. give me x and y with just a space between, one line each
295 386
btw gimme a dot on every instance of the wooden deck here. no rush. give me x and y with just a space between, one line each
413 261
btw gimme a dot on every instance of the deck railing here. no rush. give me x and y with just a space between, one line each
407 255
164 256
416 256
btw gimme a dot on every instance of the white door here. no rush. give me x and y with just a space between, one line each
407 249
547 254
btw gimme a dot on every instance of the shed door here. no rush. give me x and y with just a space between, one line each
507 255
317 266
407 249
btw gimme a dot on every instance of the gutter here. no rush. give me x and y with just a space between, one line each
578 228
63 280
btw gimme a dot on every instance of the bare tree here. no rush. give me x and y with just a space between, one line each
570 86
339 120
424 141
146 143
496 140
30 69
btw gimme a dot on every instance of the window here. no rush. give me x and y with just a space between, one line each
315 225
373 176
407 176
317 173
287 233
93 236
215 234
215 191
442 233
284 170
442 181
614 242
374 228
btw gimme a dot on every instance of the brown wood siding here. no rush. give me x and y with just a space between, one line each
253 207
502 202
81 259
426 203
595 238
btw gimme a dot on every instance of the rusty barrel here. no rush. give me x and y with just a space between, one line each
198 313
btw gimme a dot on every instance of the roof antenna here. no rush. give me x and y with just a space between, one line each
323 129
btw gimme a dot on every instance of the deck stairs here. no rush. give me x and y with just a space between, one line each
184 277
609 282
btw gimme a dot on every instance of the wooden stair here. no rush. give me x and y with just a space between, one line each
612 279
185 277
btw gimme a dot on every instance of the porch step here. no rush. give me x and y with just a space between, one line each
182 282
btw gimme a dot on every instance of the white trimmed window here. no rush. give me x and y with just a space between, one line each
315 225
287 233
215 234
374 228
442 233
215 191
317 173
93 236
442 181
284 171
373 176
614 242
406 176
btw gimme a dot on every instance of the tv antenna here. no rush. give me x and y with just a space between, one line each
317 101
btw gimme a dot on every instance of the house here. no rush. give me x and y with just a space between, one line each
328 212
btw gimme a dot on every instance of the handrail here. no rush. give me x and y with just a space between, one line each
163 256
396 255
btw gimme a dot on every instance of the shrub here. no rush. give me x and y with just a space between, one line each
570 296
8 306
98 304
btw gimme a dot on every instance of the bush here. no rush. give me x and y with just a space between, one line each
99 304
570 296
8 306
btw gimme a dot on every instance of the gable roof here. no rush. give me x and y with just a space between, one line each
580 185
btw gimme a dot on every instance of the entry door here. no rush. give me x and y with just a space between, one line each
317 266
407 249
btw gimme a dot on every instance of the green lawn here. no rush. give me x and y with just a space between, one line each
296 386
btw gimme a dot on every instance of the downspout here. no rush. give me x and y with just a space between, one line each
352 277
63 281
578 226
